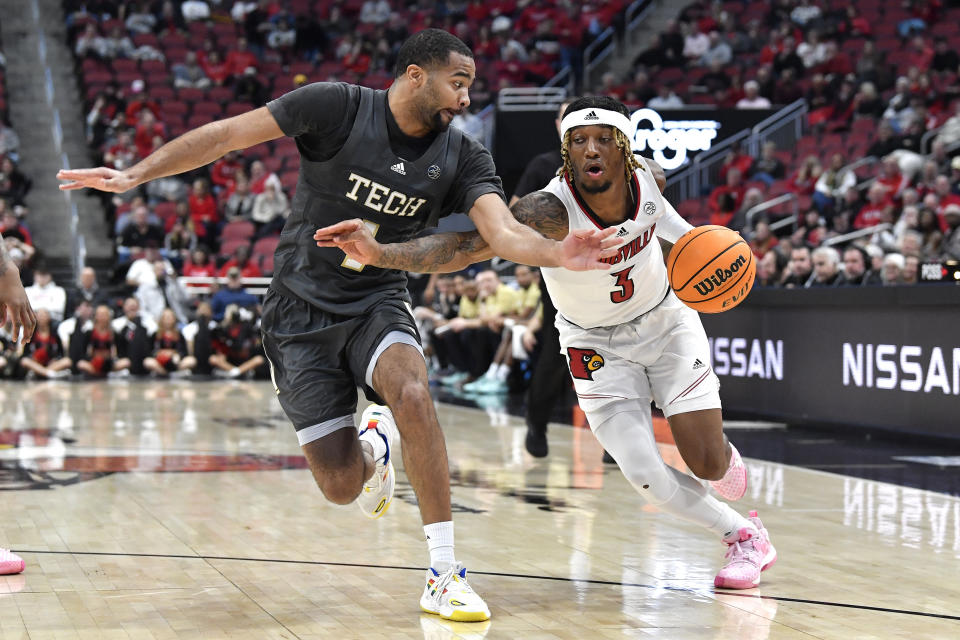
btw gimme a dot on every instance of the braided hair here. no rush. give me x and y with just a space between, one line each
630 161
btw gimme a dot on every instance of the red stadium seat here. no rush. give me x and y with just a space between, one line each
237 229
222 95
264 249
228 246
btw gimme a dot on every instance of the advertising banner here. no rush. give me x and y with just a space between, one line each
885 358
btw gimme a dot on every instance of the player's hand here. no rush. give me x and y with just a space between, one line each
102 178
583 249
353 237
15 310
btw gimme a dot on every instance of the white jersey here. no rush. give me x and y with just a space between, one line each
637 280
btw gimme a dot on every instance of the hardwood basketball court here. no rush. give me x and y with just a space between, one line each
184 510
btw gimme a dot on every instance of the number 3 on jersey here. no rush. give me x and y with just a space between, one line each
352 264
625 284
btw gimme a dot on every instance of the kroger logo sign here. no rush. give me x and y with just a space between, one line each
670 141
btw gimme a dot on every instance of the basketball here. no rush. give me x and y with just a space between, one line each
711 269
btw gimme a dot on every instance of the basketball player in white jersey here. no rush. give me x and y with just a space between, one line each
627 338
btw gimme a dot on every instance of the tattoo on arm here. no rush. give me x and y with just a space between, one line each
544 213
441 252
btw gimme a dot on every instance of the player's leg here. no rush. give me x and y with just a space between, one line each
687 391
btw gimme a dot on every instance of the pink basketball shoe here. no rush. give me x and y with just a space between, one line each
733 484
10 563
746 557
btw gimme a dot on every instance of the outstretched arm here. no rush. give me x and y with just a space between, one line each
195 148
444 252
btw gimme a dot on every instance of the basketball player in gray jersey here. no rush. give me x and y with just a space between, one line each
330 324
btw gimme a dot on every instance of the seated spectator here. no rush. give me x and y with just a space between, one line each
805 13
762 240
241 260
223 175
911 270
695 42
867 103
855 271
665 99
147 128
751 199
10 226
804 179
898 111
892 273
203 211
812 51
945 59
232 294
456 342
945 196
718 50
832 184
725 199
752 98
133 329
164 291
140 19
14 185
800 268
169 355
122 154
189 74
891 178
141 270
249 89
237 350
139 233
139 100
240 58
193 10
788 59
826 267
950 246
44 356
99 354
9 140
200 264
179 243
197 335
259 177
886 142
270 210
929 225
215 68
87 289
770 269
239 205
46 294
737 158
879 205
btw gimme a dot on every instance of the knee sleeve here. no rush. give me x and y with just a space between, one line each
627 435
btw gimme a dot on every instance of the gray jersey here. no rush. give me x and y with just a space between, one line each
365 177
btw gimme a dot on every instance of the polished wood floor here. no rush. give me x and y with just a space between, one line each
182 510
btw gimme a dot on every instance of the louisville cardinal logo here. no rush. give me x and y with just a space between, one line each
583 362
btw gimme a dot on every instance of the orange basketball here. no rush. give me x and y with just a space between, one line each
711 269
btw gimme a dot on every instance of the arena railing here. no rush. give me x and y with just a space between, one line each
635 15
791 198
784 127
200 285
606 44
859 233
564 79
531 98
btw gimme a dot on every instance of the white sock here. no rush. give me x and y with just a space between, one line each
503 371
440 543
376 441
492 371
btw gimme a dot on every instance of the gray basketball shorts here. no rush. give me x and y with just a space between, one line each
318 359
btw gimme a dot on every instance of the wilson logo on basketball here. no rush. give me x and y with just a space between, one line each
584 362
720 276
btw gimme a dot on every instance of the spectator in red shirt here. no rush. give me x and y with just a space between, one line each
725 199
203 211
216 69
200 264
891 178
763 239
122 154
803 181
138 102
225 170
10 227
736 159
147 129
874 212
241 58
945 197
241 259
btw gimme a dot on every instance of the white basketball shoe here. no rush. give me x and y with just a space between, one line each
377 493
449 596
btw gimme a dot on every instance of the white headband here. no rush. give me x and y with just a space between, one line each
593 115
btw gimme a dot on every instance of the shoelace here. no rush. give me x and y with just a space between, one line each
446 577
742 553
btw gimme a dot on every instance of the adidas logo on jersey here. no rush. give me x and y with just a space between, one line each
399 168
697 364
591 116
622 232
